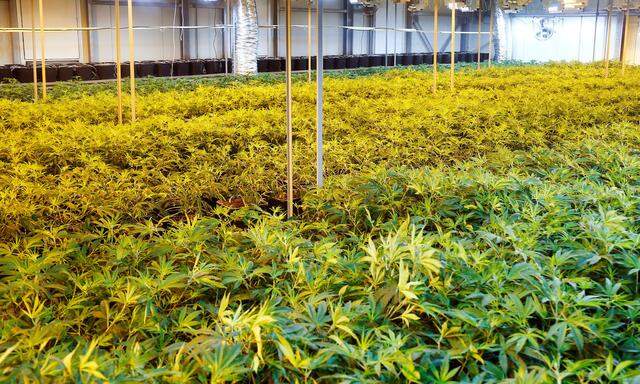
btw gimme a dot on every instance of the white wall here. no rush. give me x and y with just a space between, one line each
62 46
572 40
6 47
395 41
149 45
632 51
332 33
484 36
206 43
444 26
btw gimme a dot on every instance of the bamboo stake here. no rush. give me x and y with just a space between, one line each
289 113
435 45
453 47
491 20
132 66
118 60
623 57
42 47
34 51
479 31
309 41
607 44
595 31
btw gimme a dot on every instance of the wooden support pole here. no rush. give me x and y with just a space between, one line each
86 33
43 51
607 44
491 21
185 42
34 50
623 56
132 62
289 97
435 45
118 59
453 48
479 32
309 41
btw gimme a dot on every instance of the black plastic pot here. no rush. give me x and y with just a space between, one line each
273 64
363 61
22 73
484 56
51 72
444 58
329 62
405 59
340 62
417 59
5 73
297 63
211 66
105 71
376 61
427 58
145 69
352 61
196 67
229 64
263 65
85 72
162 69
125 70
314 62
65 73
181 68
304 63
390 60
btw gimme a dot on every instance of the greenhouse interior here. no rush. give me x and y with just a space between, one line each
320 191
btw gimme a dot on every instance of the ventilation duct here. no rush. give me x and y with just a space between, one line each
246 33
500 35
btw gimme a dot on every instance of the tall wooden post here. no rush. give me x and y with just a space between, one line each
34 50
625 38
43 51
453 47
132 61
435 45
607 44
491 21
289 97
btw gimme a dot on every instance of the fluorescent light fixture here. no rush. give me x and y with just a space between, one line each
554 9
